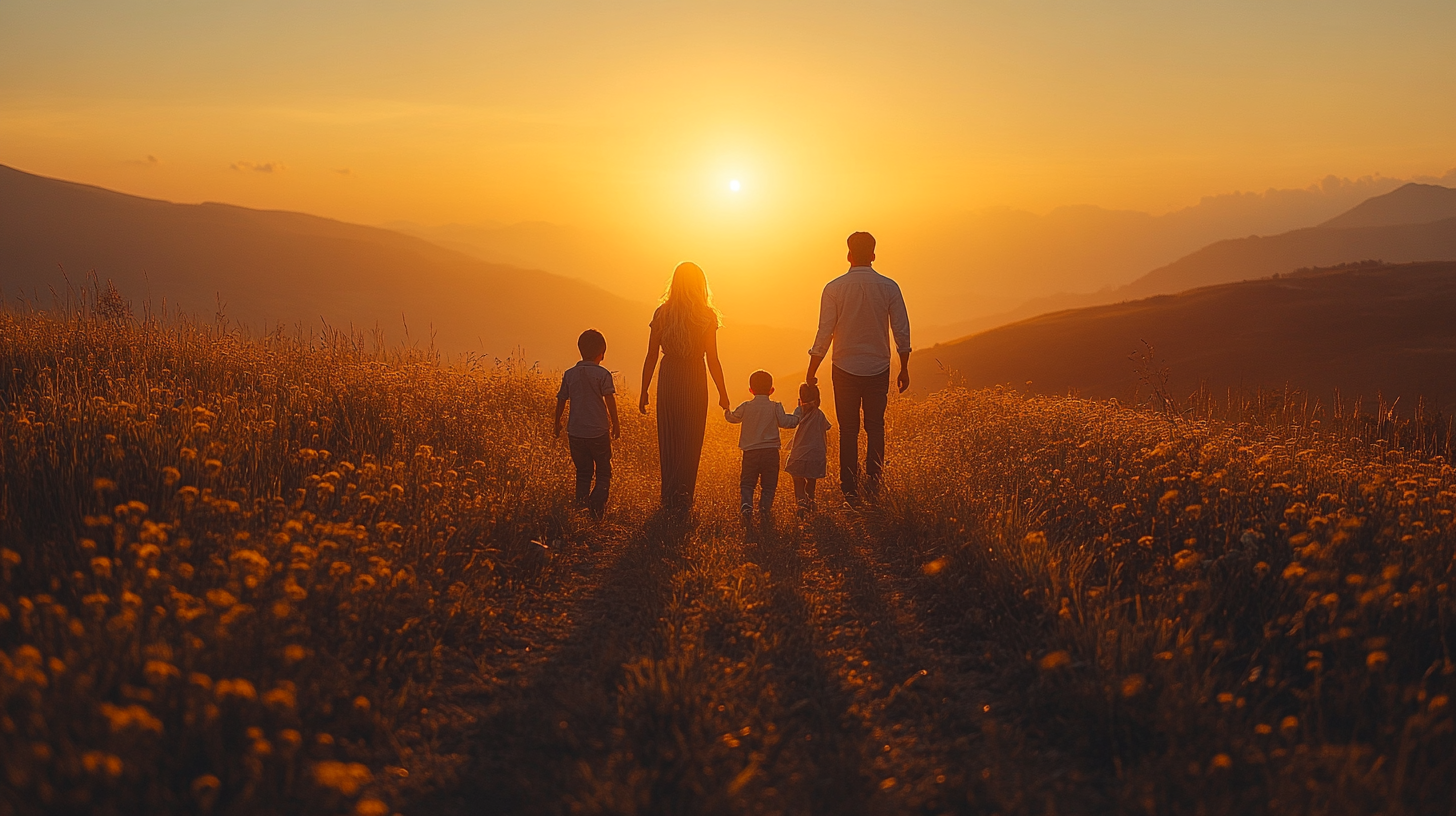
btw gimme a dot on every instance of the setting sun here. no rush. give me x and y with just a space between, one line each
734 185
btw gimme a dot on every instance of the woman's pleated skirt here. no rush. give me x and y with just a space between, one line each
682 417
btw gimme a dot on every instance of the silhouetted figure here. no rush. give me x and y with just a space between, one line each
761 419
592 424
858 311
684 332
808 452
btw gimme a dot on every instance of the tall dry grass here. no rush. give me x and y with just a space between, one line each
1206 617
242 575
236 571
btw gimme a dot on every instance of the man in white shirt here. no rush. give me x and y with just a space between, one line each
857 314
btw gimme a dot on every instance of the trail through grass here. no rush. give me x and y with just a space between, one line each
709 671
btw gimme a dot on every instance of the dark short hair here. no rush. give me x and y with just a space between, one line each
591 343
760 381
861 246
808 393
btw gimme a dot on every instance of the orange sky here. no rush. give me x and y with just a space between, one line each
634 116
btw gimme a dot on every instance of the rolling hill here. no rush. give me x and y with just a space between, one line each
1260 257
1410 204
271 268
1416 222
1368 330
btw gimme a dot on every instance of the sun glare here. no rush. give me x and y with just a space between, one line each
734 185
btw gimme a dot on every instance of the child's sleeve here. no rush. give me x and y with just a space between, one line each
733 416
564 393
608 386
787 420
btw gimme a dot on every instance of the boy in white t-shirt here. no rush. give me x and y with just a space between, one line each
593 422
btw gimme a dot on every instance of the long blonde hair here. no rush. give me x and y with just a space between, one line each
687 307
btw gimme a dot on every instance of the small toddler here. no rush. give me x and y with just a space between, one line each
808 450
593 422
761 418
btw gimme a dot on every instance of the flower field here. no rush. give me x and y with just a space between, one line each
234 572
293 575
1211 617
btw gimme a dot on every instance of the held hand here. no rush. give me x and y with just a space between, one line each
904 379
723 402
811 379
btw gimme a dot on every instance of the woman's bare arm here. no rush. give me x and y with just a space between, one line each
716 369
654 347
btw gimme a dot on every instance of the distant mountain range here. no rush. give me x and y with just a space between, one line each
600 259
1416 222
996 266
1367 330
266 268
961 272
1410 204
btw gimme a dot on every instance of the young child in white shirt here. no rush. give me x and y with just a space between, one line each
807 451
761 419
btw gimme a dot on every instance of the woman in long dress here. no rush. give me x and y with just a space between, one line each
685 333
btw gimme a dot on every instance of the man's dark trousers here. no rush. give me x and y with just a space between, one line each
588 454
853 394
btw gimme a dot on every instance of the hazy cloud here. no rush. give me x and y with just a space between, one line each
343 171
149 161
268 167
1448 180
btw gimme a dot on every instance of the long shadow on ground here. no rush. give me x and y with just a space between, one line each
1003 768
923 723
533 744
816 764
734 712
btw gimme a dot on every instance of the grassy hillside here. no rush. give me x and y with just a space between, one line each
289 268
1208 618
1262 256
1416 222
227 563
1362 331
267 269
272 576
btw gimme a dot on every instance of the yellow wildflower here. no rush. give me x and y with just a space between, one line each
371 807
128 717
158 672
346 778
221 598
1056 660
238 688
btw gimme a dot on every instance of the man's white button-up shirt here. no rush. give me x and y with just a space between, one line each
857 314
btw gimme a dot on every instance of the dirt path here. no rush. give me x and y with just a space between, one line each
698 670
